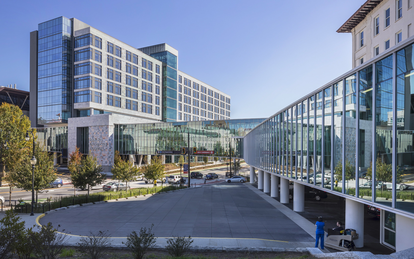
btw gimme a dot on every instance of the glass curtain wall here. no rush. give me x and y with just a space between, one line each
318 142
337 136
305 144
327 136
350 135
311 140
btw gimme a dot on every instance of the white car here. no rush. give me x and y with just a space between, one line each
2 200
236 179
173 179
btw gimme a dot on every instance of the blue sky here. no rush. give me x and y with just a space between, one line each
266 53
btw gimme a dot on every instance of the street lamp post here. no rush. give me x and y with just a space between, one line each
33 163
230 158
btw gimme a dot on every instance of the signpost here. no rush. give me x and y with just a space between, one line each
185 168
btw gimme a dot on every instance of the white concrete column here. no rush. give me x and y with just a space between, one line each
274 186
252 174
298 197
91 111
404 233
284 191
55 158
172 159
260 180
354 218
163 159
266 182
148 159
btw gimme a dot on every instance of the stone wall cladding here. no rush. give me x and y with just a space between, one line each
101 144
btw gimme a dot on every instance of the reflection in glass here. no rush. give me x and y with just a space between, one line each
305 134
338 117
327 138
311 139
383 121
350 135
365 132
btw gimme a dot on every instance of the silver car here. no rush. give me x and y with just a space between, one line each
114 186
236 179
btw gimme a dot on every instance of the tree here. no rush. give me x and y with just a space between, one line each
74 164
181 160
236 166
205 159
13 127
44 172
384 172
89 174
154 171
124 171
349 171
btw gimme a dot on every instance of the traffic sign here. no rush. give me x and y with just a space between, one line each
185 168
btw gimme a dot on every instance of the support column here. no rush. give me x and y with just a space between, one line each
252 174
55 158
172 159
140 160
354 218
163 159
284 191
266 182
148 159
260 180
274 188
404 233
298 197
91 111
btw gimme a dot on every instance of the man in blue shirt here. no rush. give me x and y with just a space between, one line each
320 232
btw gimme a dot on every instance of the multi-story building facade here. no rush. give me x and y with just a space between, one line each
378 25
77 71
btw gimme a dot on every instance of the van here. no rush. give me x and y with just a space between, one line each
173 179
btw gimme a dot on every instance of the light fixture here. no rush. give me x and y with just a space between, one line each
33 161
27 136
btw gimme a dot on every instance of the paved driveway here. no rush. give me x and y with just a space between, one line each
218 211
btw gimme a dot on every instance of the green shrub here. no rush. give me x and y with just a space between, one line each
10 231
140 243
178 246
94 244
48 242
67 252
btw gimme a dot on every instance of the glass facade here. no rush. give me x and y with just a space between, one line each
169 87
355 136
54 71
217 136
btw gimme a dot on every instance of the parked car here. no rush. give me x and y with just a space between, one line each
57 183
209 177
196 175
311 193
173 179
114 186
158 181
236 179
368 184
376 212
326 179
400 186
2 200
214 175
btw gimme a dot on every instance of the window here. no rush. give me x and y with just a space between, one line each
118 76
399 9
109 100
128 68
149 108
118 64
398 37
180 88
117 101
110 87
143 97
149 87
144 63
83 40
387 44
377 22
361 39
387 17
149 65
135 70
157 69
157 101
98 84
144 107
144 85
135 82
361 60
144 74
110 61
180 79
83 54
128 56
83 68
98 97
180 97
110 48
134 105
83 96
118 51
376 51
135 94
157 111
149 98
135 59
83 82
128 92
110 74
128 104
128 80
118 89
157 79
149 76
98 70
98 42
157 89
98 56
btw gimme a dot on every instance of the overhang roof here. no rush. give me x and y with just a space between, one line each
359 15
